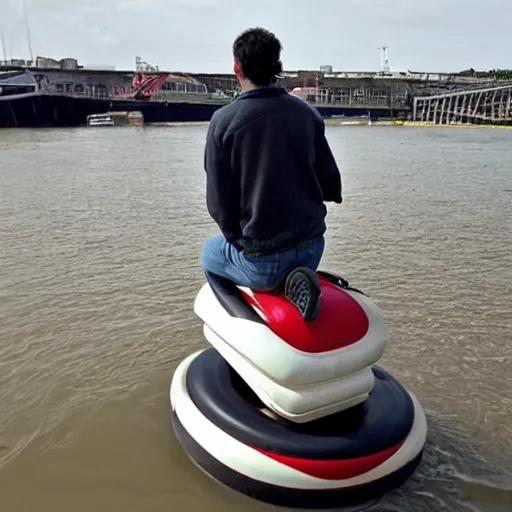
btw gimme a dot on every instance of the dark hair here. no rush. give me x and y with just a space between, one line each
258 52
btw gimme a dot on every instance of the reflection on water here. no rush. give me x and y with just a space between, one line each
100 237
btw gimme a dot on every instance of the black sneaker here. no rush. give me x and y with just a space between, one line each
302 288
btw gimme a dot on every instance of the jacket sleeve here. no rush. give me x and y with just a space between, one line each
327 170
222 192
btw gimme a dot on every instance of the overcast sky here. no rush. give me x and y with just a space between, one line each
196 35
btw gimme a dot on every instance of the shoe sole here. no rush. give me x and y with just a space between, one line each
302 288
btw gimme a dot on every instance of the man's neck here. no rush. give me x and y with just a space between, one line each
246 86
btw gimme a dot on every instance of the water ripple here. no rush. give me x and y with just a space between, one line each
101 234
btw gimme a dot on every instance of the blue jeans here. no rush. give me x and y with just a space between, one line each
263 273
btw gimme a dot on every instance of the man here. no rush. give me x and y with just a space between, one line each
269 170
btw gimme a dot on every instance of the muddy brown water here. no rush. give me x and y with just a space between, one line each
100 235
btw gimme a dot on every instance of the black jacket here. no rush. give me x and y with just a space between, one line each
269 170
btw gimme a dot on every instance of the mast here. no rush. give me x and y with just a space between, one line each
24 7
4 49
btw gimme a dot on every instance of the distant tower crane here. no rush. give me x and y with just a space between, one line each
384 61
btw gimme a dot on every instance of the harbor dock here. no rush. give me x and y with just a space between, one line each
61 93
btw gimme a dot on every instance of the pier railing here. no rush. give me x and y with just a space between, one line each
367 98
479 106
102 92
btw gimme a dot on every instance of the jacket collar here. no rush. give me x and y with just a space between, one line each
263 92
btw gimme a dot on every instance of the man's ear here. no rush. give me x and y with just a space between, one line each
237 68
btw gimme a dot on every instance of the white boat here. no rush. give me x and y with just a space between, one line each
99 120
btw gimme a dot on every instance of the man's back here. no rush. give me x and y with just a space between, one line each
269 170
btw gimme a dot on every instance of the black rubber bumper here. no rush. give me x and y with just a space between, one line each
381 422
286 497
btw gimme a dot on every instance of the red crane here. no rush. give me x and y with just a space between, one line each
144 86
